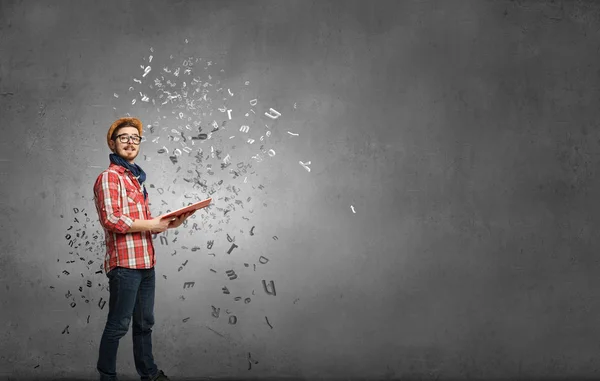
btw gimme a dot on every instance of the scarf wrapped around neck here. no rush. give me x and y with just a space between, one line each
137 171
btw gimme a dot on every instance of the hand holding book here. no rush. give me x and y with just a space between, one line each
187 209
175 222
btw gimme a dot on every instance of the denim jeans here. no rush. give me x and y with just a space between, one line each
131 294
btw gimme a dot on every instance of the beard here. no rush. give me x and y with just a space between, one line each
127 153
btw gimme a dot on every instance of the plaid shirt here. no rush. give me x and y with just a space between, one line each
119 201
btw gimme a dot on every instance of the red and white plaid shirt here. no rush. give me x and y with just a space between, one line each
119 200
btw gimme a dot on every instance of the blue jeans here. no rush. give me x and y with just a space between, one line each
131 294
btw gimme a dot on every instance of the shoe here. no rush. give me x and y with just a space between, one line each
160 376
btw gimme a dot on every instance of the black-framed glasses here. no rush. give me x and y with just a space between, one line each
124 138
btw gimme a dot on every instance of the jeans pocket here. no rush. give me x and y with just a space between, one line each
113 273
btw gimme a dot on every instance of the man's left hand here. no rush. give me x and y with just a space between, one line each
177 221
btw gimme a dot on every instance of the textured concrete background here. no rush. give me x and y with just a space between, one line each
463 134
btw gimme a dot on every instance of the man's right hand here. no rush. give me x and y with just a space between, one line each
158 225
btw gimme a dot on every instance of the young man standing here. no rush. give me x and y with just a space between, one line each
122 204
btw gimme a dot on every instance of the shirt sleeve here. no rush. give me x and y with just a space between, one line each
107 195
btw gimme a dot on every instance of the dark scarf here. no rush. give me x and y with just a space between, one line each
137 171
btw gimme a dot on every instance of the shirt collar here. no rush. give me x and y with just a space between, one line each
118 168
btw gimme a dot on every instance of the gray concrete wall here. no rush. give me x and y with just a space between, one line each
447 227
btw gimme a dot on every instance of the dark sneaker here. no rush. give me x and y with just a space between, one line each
160 376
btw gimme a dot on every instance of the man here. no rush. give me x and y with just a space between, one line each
122 205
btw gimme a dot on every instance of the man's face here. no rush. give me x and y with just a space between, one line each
128 150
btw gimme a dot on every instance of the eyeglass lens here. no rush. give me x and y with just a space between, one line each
125 139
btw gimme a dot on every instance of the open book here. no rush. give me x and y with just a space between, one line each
189 208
